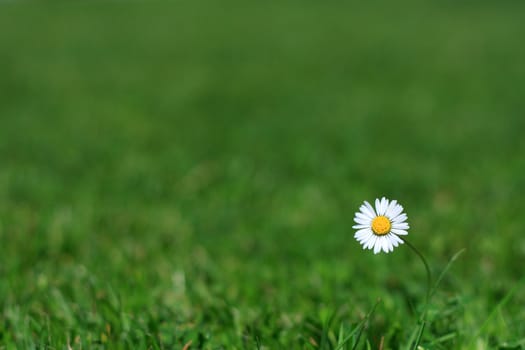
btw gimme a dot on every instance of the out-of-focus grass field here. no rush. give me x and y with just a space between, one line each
174 172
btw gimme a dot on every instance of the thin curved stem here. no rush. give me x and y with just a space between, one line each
427 268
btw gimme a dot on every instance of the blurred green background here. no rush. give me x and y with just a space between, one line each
189 171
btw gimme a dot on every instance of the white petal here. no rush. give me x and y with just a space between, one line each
362 233
399 232
400 225
370 208
366 237
381 206
395 239
371 242
391 240
386 244
360 226
378 245
366 210
363 217
390 208
363 239
400 218
362 221
378 207
396 211
384 205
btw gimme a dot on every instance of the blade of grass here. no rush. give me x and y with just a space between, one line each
416 336
358 328
498 307
445 270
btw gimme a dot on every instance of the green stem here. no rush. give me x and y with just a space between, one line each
427 268
423 316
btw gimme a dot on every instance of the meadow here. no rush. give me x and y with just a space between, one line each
184 175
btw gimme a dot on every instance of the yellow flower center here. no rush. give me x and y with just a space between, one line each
381 225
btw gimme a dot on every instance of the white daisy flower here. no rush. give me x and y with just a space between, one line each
380 228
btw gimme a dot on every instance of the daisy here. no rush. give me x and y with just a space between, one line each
380 228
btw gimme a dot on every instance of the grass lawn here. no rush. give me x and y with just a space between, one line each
185 174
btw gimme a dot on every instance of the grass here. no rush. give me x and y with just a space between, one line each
185 174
